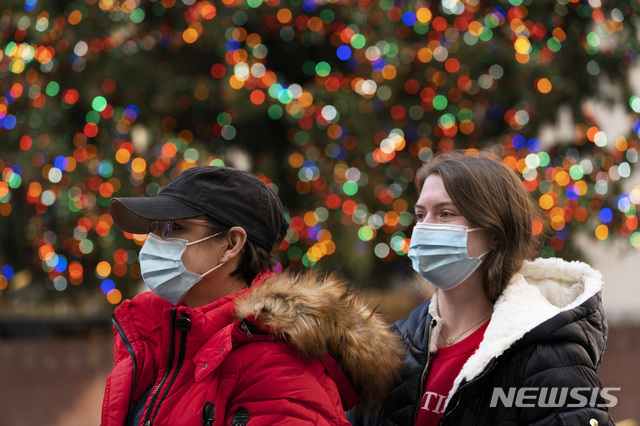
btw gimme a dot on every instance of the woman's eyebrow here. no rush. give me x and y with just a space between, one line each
437 205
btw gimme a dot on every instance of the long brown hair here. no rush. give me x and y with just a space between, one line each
490 196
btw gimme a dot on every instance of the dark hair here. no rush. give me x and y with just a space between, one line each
255 259
490 196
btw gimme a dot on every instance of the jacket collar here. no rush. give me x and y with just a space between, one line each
210 356
320 316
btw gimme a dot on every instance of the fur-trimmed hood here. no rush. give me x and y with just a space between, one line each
541 290
326 315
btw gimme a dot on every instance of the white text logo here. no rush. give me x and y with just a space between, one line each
553 397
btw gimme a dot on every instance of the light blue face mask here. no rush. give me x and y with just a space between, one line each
162 268
439 254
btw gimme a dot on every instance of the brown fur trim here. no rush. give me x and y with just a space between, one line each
319 316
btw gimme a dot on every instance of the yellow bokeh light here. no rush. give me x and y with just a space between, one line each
314 253
122 156
467 127
557 212
510 161
522 59
559 34
128 6
296 160
322 247
239 34
557 223
621 143
114 297
563 178
45 252
305 99
391 218
522 45
190 35
75 17
325 236
424 15
425 54
546 201
400 205
310 218
602 232
544 85
284 15
475 28
329 246
71 164
138 165
35 189
582 187
235 82
316 23
557 218
17 66
105 4
389 72
103 269
253 40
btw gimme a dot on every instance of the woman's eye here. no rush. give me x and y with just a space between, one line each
419 216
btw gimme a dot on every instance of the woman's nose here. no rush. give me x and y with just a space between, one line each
427 219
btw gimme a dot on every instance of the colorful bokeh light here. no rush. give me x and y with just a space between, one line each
335 105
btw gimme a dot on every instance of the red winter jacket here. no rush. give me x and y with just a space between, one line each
257 357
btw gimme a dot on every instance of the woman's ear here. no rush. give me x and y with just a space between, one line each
495 242
236 239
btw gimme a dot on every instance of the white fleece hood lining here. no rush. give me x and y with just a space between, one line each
542 289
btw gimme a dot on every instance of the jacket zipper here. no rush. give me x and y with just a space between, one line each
461 389
172 322
127 344
432 324
183 346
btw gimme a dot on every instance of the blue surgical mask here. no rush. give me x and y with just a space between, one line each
439 254
162 268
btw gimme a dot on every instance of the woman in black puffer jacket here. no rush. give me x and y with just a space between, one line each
505 340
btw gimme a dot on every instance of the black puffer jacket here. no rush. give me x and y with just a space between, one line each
547 332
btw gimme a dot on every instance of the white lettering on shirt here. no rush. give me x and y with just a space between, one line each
436 405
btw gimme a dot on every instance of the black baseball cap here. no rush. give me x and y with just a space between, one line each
228 196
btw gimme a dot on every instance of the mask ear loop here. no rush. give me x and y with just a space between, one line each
213 269
205 238
488 251
480 257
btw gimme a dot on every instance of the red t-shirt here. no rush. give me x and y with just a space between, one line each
445 366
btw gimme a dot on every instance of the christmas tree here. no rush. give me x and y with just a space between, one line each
334 104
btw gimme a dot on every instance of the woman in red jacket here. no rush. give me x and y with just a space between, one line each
221 340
